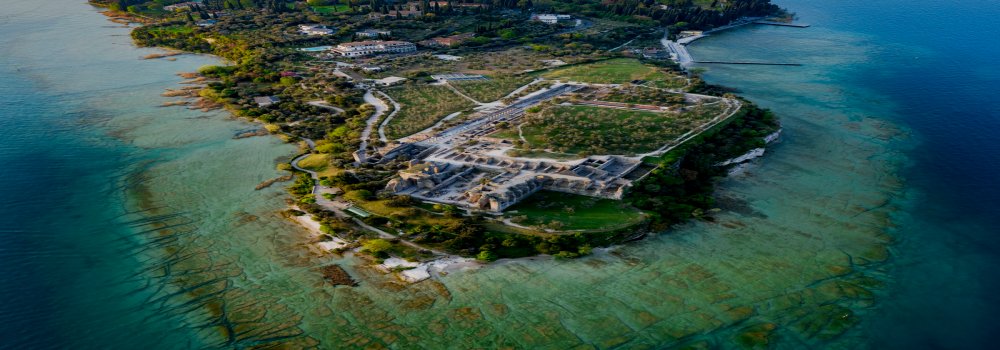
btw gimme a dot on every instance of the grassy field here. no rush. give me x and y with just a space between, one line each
422 106
575 212
171 30
670 82
330 9
596 130
412 215
643 95
493 89
320 163
506 134
541 154
613 71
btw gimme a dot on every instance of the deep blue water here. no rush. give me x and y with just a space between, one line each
942 82
67 254
944 91
65 265
932 68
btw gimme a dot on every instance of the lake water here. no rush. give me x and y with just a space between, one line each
872 224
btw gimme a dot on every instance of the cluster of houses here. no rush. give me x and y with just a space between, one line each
377 40
416 9
187 5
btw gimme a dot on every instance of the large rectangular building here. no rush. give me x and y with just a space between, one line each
371 47
551 18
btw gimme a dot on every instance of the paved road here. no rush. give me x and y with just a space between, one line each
380 109
683 57
395 109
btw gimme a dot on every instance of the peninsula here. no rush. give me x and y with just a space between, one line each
486 129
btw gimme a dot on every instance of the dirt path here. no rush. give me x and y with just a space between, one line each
460 93
322 104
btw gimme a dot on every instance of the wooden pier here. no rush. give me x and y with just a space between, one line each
782 24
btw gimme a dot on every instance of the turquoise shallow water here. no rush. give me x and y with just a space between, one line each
872 224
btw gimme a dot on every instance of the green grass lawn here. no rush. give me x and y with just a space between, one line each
493 89
613 71
541 154
320 163
506 134
596 130
670 82
413 215
421 107
325 10
575 212
643 95
171 30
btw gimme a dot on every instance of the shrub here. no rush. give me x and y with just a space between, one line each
376 246
486 255
359 195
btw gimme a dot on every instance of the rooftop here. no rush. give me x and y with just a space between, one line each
373 42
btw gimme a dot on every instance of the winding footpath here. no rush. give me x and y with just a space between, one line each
322 104
395 109
460 93
380 108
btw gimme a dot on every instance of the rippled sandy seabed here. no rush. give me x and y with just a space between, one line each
797 256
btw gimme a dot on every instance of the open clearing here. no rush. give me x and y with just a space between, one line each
613 71
330 9
598 130
643 95
421 106
320 163
407 215
174 30
493 89
563 211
